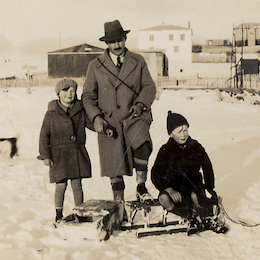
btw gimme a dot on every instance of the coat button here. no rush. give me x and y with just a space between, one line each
118 106
73 138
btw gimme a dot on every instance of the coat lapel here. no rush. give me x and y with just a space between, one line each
108 63
76 108
54 106
128 66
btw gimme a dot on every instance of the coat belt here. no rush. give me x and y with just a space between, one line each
68 145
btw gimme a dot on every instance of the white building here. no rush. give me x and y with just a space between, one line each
175 40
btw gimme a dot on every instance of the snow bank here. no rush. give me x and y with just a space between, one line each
228 128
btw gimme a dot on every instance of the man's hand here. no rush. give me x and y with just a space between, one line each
175 195
48 162
136 110
98 124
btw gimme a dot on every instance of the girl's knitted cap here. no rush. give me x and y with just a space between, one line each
65 83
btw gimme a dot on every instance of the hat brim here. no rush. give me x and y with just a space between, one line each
105 39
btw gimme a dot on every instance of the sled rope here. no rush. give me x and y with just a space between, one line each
241 222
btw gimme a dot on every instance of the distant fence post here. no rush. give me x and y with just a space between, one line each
158 86
28 68
198 79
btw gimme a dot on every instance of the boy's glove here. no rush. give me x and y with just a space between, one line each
214 196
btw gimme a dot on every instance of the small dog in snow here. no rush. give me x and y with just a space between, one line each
8 149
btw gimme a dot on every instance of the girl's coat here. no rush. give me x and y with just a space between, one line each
62 139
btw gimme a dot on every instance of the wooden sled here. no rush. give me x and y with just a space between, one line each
92 220
154 220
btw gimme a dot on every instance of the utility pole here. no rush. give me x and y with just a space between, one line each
60 41
236 75
4 43
231 59
241 76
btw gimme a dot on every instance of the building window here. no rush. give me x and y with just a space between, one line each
170 37
151 38
182 37
176 48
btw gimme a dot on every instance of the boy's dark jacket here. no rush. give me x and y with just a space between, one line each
62 139
179 167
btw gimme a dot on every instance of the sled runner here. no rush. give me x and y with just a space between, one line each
97 219
155 220
149 218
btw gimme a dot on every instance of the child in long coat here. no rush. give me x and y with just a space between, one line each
177 175
62 143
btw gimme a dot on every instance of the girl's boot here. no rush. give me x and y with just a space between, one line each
59 215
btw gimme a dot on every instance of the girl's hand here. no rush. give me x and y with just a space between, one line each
48 162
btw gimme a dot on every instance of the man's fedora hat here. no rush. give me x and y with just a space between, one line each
113 31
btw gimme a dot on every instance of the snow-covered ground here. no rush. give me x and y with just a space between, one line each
229 129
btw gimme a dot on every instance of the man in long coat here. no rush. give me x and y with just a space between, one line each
118 93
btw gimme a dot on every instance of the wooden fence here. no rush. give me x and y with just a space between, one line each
249 81
35 81
165 82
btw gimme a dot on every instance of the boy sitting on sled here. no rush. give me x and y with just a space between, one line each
176 174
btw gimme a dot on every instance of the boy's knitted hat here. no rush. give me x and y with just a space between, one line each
175 120
65 83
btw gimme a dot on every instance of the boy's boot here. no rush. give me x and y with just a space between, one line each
59 215
220 229
194 225
216 226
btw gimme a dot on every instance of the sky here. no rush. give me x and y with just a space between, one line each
36 25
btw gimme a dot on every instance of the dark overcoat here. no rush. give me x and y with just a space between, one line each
180 167
62 139
104 94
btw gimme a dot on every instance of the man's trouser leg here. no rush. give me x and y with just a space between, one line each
140 157
118 187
